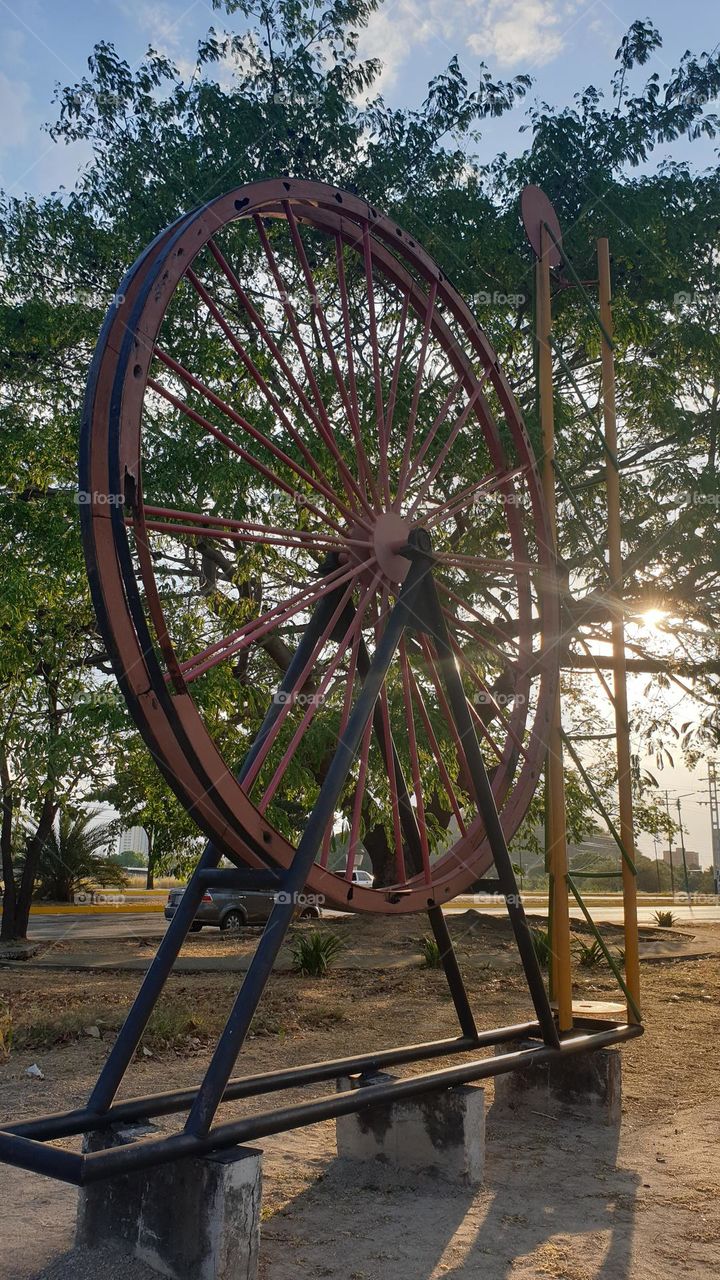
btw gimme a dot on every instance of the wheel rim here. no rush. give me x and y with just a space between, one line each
338 407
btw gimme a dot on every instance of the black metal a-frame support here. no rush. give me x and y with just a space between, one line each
417 609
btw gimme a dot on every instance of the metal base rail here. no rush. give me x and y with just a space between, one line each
18 1148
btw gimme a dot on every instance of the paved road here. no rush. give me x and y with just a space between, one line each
65 927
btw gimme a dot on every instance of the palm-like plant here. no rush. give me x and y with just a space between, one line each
71 861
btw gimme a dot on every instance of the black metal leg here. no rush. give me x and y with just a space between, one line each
320 618
218 1073
455 982
157 975
131 1031
432 617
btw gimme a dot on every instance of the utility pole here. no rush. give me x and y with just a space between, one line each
657 863
713 783
670 843
682 846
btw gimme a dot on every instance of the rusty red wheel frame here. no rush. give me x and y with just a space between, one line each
341 465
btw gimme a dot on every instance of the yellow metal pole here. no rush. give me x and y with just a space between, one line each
556 831
622 722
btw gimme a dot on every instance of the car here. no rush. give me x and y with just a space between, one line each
363 878
231 911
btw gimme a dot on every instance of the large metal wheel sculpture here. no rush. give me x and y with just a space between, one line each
287 388
299 456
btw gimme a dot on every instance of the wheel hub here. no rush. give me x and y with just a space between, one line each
380 547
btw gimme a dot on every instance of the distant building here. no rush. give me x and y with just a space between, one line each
133 840
692 859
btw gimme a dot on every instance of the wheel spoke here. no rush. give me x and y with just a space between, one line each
304 724
351 487
432 430
397 366
253 631
355 420
445 708
233 535
252 431
389 757
322 321
452 435
489 700
485 562
430 308
459 501
258 378
458 622
437 753
207 524
358 797
414 761
344 718
274 349
377 383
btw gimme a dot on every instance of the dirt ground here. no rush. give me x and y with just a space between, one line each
562 1198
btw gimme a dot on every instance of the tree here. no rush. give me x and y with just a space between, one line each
160 143
142 798
57 703
71 861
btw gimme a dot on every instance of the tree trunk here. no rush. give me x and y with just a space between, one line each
30 870
150 878
7 926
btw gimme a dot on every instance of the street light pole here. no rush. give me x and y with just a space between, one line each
682 846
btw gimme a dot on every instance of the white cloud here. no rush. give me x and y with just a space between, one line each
512 32
504 33
15 111
391 34
161 25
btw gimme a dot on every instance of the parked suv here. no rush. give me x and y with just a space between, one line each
231 911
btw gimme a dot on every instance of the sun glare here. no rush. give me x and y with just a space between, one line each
652 618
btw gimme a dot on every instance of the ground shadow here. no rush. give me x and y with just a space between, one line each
554 1198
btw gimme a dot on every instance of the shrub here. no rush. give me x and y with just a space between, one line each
313 953
71 861
664 919
6 1033
430 952
542 944
590 954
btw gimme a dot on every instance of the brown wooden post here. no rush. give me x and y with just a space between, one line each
622 722
556 826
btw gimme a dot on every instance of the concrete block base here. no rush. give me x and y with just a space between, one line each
587 1082
195 1219
440 1133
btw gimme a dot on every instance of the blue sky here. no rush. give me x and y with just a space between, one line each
563 44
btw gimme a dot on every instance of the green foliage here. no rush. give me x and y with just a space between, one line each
314 952
296 98
6 1032
664 919
590 954
71 861
430 953
542 944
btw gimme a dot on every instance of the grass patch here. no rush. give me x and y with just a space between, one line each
665 919
315 952
542 944
46 1030
430 953
590 954
6 1033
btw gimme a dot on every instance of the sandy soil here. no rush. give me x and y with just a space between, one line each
561 1198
